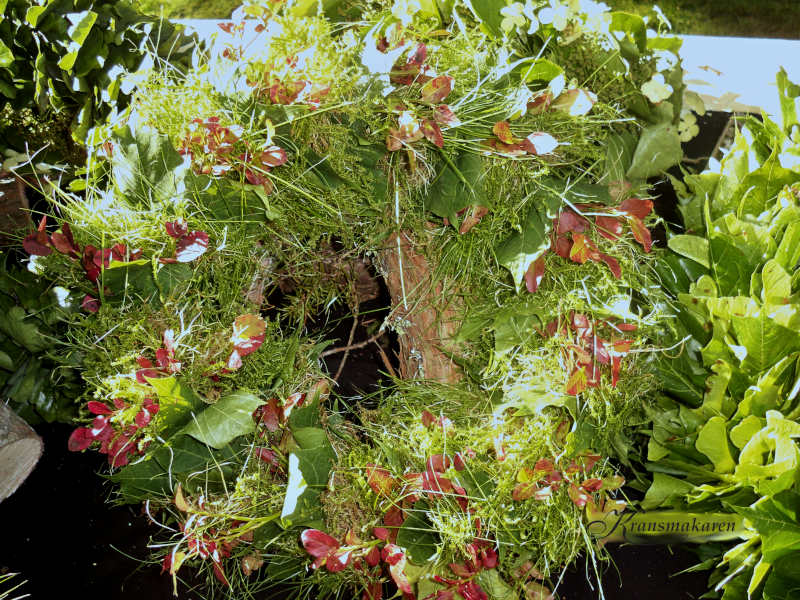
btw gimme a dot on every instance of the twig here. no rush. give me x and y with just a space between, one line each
386 362
349 344
355 346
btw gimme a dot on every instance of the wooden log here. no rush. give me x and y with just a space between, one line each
20 449
424 313
14 215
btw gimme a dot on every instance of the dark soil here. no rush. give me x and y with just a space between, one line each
60 533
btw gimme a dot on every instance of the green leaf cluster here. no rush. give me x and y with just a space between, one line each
725 435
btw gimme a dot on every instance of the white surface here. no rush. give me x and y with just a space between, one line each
738 73
731 74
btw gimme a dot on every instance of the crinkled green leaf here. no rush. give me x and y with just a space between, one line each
691 246
712 440
777 520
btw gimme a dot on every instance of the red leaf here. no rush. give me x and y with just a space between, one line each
394 517
381 533
592 485
191 246
609 227
489 558
540 103
616 363
612 263
534 274
144 362
473 218
636 207
379 479
317 543
578 496
274 156
80 439
63 241
432 133
641 233
583 249
373 557
142 419
428 418
539 143
577 382
37 244
90 304
373 591
445 116
438 463
563 247
569 221
142 375
176 229
269 415
396 559
470 590
437 89
220 574
461 570
545 465
503 132
248 333
458 462
523 491
98 408
627 326
419 55
162 358
268 456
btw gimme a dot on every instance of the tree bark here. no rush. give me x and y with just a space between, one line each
425 315
13 206
20 449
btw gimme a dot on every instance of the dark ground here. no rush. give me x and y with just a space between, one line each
59 532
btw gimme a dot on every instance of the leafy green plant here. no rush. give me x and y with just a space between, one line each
220 221
36 376
72 56
725 436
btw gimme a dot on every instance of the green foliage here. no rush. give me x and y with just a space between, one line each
734 446
72 56
37 378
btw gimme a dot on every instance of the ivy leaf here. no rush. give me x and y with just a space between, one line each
659 148
221 422
524 247
177 402
418 536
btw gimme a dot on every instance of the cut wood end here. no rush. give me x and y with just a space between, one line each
20 449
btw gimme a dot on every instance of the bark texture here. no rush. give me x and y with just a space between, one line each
13 206
20 449
425 314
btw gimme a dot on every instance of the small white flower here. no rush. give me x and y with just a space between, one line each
513 17
657 89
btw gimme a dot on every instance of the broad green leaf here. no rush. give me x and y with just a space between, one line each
449 195
788 94
712 440
82 24
632 25
33 14
776 282
68 60
659 148
788 253
177 402
538 69
6 362
129 279
22 328
6 56
226 419
418 536
734 168
766 341
171 276
691 246
310 437
783 582
745 430
495 587
619 155
488 13
777 520
517 252
145 165
683 378
665 491
759 188
308 474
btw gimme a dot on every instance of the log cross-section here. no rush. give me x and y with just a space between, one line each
20 449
